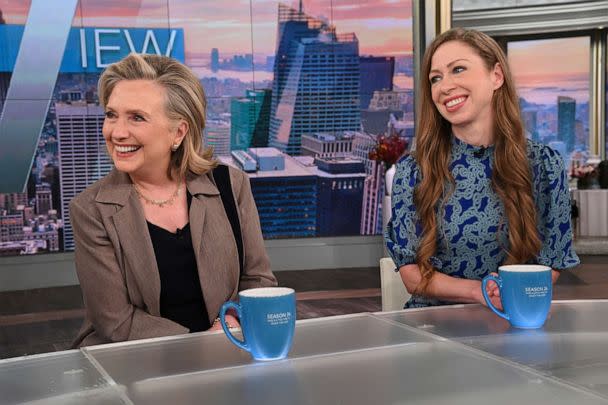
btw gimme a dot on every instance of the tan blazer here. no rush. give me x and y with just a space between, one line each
117 267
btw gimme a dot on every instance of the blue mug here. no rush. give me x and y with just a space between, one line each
268 320
525 293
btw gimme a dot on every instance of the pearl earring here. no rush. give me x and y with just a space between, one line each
174 147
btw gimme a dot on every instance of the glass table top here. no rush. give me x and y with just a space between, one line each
443 355
67 377
572 345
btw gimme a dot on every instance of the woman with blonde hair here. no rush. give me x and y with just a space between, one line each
168 235
475 194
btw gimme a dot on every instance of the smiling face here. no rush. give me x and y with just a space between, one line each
137 131
462 88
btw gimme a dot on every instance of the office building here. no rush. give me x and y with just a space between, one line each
340 187
27 213
316 80
529 118
328 145
11 226
385 100
84 158
268 159
362 145
42 237
13 200
376 74
250 119
217 135
376 121
403 128
566 110
373 191
44 199
384 106
286 199
215 59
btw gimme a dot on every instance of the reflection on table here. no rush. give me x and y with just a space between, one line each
444 355
572 345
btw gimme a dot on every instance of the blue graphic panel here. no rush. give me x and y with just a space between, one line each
91 49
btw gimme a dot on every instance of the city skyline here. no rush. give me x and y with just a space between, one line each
227 88
75 121
385 26
540 81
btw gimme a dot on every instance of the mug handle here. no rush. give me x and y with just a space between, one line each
484 283
225 307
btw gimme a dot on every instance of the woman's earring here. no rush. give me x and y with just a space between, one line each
174 147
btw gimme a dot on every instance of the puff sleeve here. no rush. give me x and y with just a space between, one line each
402 234
552 198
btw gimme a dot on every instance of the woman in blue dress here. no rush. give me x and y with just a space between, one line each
475 194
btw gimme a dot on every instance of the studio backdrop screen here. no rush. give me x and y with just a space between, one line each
299 93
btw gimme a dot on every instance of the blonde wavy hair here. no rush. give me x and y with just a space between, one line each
185 100
511 174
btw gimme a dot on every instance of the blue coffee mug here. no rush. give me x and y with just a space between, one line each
268 319
525 293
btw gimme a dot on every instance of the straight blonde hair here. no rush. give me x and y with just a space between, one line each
185 100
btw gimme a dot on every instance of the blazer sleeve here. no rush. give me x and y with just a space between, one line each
256 269
103 284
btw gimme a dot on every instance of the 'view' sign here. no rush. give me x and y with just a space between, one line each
90 50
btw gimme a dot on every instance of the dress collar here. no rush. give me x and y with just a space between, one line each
461 147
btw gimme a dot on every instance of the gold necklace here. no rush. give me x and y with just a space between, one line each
159 203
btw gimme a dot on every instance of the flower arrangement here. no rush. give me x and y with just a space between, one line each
388 149
583 171
587 175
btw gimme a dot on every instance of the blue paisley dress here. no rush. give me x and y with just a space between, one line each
473 230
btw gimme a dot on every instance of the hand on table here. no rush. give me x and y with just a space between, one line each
493 294
231 322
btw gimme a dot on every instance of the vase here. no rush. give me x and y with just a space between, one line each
388 180
588 183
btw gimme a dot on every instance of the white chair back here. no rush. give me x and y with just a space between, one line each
394 294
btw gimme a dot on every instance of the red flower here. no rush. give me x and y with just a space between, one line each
388 149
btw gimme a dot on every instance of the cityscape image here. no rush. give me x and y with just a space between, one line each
554 97
299 92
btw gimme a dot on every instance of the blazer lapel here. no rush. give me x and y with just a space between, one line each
134 237
205 193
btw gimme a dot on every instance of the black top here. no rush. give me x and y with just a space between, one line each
181 297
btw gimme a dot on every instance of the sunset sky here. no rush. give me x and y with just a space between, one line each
544 69
384 27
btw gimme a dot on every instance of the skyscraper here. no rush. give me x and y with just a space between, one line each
530 119
215 60
316 80
376 74
44 201
286 196
249 121
84 159
328 145
371 215
217 135
566 110
11 227
362 145
340 184
13 200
